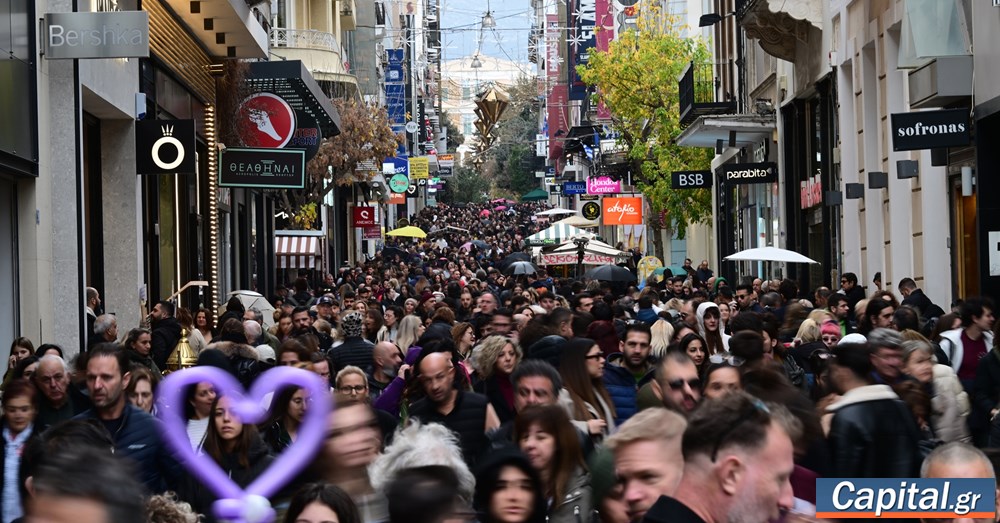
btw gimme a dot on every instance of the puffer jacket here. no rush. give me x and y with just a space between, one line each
623 389
138 439
949 406
244 360
873 435
201 497
578 503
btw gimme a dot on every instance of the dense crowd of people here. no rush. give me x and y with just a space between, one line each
466 393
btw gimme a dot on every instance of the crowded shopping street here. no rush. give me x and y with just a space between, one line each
531 261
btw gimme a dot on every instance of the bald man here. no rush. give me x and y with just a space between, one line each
386 359
958 460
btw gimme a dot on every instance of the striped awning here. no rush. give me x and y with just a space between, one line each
557 234
297 252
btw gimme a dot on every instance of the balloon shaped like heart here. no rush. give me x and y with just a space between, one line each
236 504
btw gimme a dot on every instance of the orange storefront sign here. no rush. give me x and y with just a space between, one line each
622 211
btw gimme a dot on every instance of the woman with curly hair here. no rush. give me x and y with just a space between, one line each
495 359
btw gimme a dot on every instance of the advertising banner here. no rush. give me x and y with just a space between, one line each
603 185
571 188
112 34
581 44
748 173
622 211
371 232
930 129
397 198
262 168
419 168
571 259
165 147
363 216
691 180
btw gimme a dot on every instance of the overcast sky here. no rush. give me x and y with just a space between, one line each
460 20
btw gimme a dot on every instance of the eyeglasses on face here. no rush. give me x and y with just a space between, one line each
694 383
598 356
355 389
831 339
719 359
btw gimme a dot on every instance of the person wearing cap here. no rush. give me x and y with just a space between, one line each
355 350
324 309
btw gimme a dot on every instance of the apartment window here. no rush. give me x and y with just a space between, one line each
379 14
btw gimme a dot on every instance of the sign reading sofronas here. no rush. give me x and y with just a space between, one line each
747 173
622 211
118 34
930 129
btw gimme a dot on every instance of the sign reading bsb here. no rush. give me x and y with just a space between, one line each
622 211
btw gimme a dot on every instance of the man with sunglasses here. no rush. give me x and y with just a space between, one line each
738 461
677 383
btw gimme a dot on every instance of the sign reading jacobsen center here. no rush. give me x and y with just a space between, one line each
118 34
746 173
265 168
930 129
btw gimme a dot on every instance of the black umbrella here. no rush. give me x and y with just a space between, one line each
480 243
611 273
389 252
514 257
519 268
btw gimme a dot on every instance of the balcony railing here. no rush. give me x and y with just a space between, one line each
698 93
305 38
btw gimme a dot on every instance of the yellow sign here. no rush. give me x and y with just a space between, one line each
419 168
647 266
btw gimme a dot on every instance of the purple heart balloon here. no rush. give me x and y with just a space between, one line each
236 504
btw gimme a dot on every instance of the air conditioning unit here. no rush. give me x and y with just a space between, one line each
380 53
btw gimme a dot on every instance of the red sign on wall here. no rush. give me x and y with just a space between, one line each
266 121
622 211
363 216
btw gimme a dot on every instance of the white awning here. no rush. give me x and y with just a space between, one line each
297 252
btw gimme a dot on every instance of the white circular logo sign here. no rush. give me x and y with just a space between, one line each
168 138
412 127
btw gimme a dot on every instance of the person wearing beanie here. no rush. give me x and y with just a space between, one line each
355 350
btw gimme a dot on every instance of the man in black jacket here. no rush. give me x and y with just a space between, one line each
872 434
849 287
166 332
355 350
916 298
136 434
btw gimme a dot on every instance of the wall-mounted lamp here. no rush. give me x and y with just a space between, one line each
878 180
855 190
711 19
833 198
967 181
907 169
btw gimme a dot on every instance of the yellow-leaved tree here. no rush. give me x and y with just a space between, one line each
636 79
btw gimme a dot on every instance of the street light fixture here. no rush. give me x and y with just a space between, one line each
711 19
476 63
488 21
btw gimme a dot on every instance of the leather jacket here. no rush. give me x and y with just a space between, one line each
873 435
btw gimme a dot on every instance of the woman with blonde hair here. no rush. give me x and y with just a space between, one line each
662 333
411 328
495 359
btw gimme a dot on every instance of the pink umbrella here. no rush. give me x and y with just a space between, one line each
500 208
484 212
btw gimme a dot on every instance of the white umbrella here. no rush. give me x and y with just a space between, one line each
772 254
578 221
553 212
253 300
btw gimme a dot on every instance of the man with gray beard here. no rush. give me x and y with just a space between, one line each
737 464
386 361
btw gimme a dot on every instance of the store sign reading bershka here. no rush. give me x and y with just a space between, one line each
262 168
930 129
120 34
746 173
